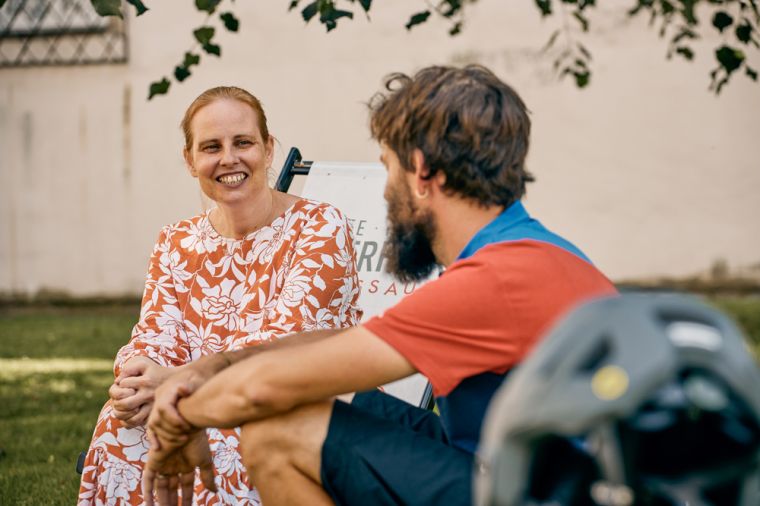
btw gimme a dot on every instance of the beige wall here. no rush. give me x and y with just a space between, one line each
646 171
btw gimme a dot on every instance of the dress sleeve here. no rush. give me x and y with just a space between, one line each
160 333
320 287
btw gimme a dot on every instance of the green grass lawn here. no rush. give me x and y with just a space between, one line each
48 407
54 373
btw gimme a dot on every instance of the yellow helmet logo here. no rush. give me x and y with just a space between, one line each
609 382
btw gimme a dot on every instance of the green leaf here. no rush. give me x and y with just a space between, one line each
582 20
139 6
230 21
686 52
107 7
207 5
191 59
729 58
454 6
204 34
293 5
212 49
2 2
721 20
309 11
751 73
582 78
456 29
744 32
366 5
688 12
417 19
158 88
334 15
181 72
545 6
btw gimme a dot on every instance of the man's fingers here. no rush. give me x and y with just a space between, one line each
148 480
207 475
169 417
168 440
155 445
187 480
162 490
173 490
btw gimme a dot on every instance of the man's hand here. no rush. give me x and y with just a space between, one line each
133 390
164 420
168 471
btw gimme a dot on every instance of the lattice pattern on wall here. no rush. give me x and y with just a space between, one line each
59 32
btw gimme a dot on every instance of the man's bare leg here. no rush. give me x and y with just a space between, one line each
283 455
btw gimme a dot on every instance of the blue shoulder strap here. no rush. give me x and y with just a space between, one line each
515 224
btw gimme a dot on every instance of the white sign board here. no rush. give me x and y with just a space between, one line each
357 190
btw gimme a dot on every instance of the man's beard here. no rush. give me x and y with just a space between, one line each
408 247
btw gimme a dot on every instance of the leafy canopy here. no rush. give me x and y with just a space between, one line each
676 21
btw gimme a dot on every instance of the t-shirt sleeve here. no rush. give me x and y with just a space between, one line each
485 313
448 330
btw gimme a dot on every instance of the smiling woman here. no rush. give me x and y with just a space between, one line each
257 266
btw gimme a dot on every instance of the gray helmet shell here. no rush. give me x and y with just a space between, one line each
599 364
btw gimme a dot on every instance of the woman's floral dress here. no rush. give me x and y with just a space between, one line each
206 294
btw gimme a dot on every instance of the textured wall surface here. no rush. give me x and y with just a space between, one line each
646 170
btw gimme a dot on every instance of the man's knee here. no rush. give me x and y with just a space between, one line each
293 436
260 441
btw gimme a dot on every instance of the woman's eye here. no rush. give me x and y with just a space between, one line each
244 142
210 148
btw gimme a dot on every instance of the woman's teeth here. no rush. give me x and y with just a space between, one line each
231 178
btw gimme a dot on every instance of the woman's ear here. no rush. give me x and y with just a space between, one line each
270 150
189 162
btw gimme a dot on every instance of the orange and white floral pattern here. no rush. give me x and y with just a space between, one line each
206 294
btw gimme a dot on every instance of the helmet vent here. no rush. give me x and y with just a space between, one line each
596 356
689 334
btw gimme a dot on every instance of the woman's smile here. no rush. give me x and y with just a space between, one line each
232 179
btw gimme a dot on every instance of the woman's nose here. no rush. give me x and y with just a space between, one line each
228 156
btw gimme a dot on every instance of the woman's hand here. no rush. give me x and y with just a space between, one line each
133 391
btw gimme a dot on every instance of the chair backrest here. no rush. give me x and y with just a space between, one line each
357 190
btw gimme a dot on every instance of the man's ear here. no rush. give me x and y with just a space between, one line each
422 180
189 162
421 170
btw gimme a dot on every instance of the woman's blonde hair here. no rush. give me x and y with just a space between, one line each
222 92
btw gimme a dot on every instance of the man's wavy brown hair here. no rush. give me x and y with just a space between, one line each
468 124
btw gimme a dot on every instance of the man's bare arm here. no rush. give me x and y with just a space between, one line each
275 382
212 364
166 421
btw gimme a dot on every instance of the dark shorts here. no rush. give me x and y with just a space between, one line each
380 450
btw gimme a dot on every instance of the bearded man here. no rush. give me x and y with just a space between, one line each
454 142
